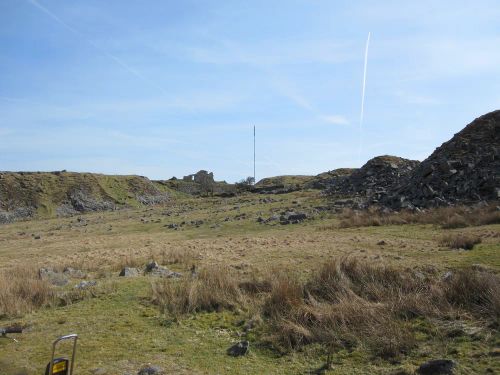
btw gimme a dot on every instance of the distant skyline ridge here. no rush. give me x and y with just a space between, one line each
172 88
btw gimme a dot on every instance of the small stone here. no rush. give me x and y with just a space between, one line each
150 370
239 349
129 272
151 266
86 284
99 371
54 277
154 269
437 367
74 273
447 276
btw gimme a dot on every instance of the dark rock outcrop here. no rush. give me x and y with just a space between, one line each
83 201
464 170
374 179
330 179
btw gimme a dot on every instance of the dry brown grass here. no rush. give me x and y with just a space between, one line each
177 255
477 291
105 263
460 241
22 291
212 289
446 217
346 303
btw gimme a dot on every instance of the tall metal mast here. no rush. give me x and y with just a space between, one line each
254 155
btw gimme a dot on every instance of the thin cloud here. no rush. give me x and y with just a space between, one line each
335 119
288 90
106 53
237 53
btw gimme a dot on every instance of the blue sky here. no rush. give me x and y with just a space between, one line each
164 88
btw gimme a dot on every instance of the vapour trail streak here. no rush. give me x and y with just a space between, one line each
363 100
101 50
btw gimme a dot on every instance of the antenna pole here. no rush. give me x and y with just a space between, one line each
254 155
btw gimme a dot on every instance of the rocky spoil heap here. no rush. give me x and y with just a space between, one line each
375 179
331 178
464 170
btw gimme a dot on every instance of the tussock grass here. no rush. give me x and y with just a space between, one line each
177 255
212 289
352 303
460 241
346 303
477 291
445 217
22 291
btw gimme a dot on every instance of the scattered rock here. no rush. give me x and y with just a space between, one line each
54 277
447 276
291 217
381 243
272 218
437 367
154 269
74 273
18 213
85 284
150 370
239 349
129 272
151 266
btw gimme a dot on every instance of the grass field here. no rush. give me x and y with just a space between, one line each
122 327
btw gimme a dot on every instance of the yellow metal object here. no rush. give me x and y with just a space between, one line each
59 367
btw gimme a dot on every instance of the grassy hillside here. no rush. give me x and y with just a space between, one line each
286 180
404 296
50 194
304 181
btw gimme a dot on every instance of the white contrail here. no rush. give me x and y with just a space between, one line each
363 100
101 50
